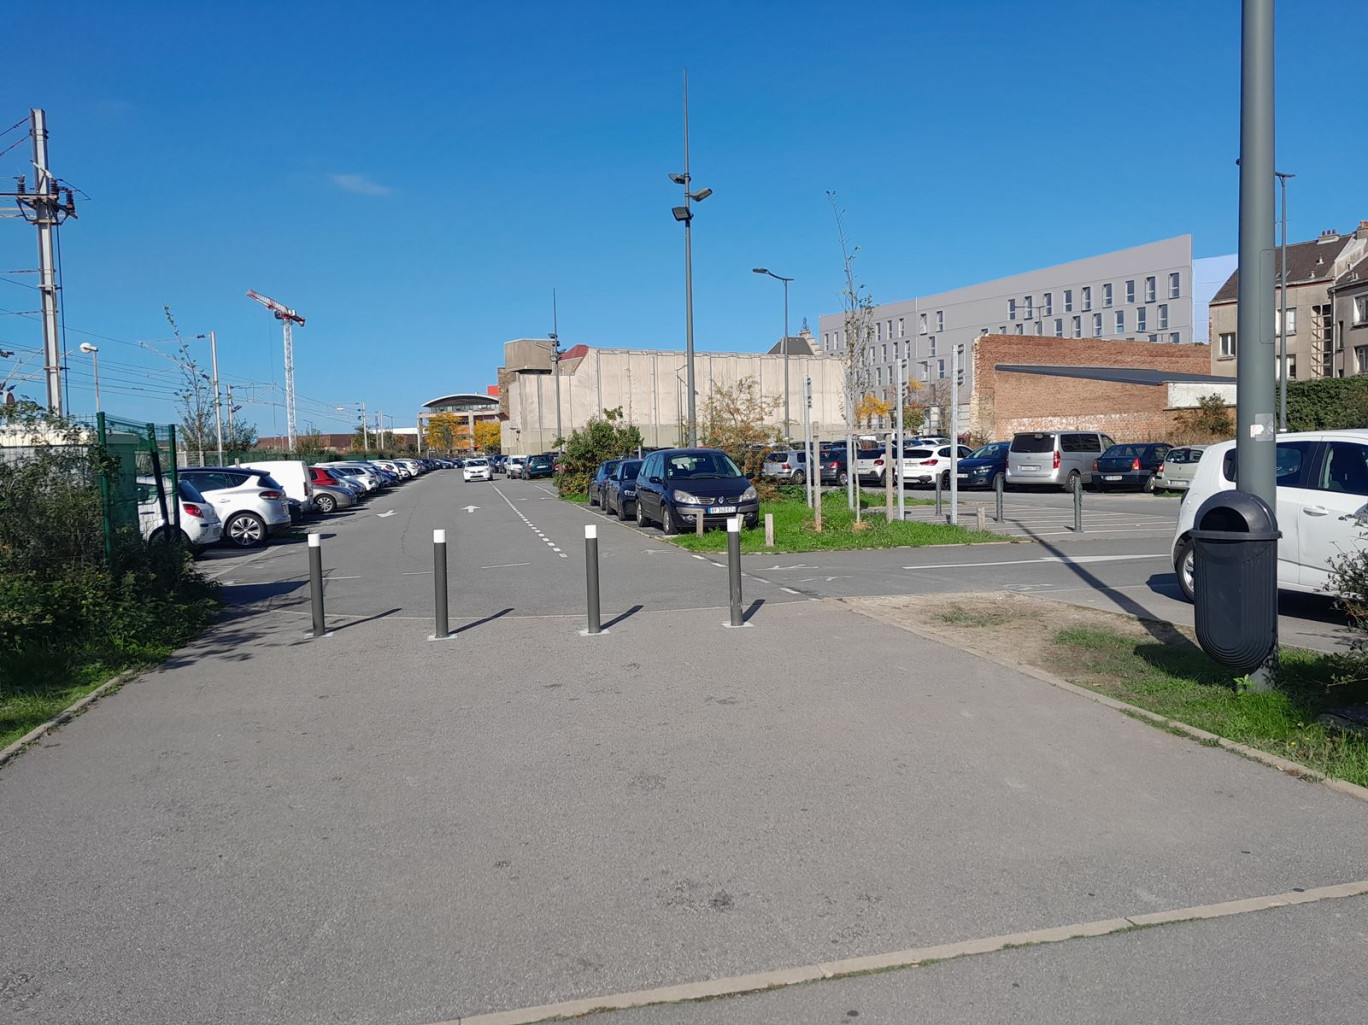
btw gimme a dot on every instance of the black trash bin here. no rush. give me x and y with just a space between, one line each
1235 579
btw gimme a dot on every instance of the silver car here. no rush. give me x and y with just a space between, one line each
785 465
1055 457
1178 468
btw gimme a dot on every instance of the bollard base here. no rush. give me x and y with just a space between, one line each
317 637
737 626
586 632
448 637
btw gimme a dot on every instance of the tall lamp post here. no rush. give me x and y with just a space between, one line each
93 351
218 403
1282 314
778 277
685 214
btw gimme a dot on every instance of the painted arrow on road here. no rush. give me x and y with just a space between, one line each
381 516
471 508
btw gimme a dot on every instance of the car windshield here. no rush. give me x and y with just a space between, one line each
629 469
476 462
1033 443
693 465
1125 451
992 451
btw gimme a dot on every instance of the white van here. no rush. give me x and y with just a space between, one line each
293 475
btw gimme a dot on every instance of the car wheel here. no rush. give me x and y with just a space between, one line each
945 480
1148 486
641 514
159 536
669 519
593 499
1070 482
799 477
325 503
622 509
843 478
1182 566
245 530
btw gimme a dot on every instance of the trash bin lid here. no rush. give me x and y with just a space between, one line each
1235 512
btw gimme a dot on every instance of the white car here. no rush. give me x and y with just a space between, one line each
250 502
199 522
514 466
1322 493
921 464
477 469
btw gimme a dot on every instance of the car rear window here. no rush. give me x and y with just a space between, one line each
1126 451
918 453
1033 443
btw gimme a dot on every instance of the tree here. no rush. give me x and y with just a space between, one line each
197 429
443 431
310 444
872 408
1209 421
488 436
602 438
734 421
857 333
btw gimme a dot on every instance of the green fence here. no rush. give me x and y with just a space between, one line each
130 452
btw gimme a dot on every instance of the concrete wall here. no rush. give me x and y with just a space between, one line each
648 384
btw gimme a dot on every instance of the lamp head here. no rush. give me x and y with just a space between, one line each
87 348
759 270
700 195
681 213
679 179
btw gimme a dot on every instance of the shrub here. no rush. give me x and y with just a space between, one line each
1327 403
601 439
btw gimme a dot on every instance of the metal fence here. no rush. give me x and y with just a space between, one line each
130 452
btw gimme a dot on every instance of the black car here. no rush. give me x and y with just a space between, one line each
619 491
835 469
538 466
1129 466
677 486
985 467
600 479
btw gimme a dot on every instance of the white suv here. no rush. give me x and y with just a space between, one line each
250 502
1322 493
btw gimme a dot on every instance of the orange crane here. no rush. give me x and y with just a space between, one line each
287 318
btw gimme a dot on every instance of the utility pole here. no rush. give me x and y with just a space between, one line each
218 402
954 432
365 431
685 214
902 386
555 363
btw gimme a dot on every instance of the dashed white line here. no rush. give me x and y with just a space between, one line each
530 524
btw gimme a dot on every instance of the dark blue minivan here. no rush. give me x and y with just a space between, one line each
678 485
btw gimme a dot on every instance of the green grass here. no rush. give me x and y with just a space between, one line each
793 529
579 499
1173 677
24 709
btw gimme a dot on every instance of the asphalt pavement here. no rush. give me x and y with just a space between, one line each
375 827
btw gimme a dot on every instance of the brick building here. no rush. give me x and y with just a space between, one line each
1130 390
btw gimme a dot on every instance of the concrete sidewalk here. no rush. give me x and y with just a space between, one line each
378 828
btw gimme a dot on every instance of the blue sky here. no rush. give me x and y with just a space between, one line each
416 178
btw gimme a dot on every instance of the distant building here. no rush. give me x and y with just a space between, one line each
1324 328
469 407
1145 293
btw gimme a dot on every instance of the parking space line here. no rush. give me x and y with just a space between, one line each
530 524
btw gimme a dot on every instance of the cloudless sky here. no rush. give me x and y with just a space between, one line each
416 178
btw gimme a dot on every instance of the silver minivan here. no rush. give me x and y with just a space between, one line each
1054 457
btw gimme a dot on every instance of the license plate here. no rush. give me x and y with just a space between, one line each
1111 476
1029 469
962 476
721 510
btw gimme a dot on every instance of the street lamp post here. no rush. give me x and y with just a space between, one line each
93 351
685 214
777 277
1282 315
218 405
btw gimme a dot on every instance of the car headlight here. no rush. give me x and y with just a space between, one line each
749 495
684 496
628 492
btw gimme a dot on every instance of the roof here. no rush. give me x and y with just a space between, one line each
464 400
794 345
1355 276
1115 375
1306 262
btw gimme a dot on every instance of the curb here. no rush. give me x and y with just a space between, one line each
1283 765
13 751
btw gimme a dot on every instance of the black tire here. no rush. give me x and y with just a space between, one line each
641 519
325 503
1148 486
843 478
245 530
622 509
1069 481
593 498
669 521
798 477
945 480
160 536
1182 568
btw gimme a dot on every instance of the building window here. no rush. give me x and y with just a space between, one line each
1174 338
1154 338
1149 289
1291 320
1106 296
878 377
1017 328
1360 310
1068 300
1291 367
1130 291
1140 320
1059 327
901 332
890 327
1163 317
1097 325
1048 301
885 352
1228 343
878 331
1120 322
940 320
1078 327
1038 330
932 350
1002 329
1030 307
923 323
940 368
1361 359
1087 298
1173 285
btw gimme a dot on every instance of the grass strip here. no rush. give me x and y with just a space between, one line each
1173 677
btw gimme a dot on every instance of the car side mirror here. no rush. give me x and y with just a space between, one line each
655 480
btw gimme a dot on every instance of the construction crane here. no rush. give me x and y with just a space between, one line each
287 318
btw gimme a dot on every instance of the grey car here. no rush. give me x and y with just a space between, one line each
1179 467
1055 457
785 464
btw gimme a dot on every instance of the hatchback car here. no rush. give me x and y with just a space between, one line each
538 466
924 465
1322 493
250 502
676 487
619 491
786 465
599 481
476 469
1129 466
986 467
328 498
513 466
1180 463
200 525
834 467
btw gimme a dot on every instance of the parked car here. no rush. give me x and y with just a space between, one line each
619 491
1322 491
250 503
1054 457
677 486
1129 466
329 498
787 465
538 466
476 469
1180 463
599 481
514 466
985 467
869 465
924 465
293 475
366 476
200 525
834 467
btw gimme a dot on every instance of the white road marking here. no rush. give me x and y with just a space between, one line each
530 524
381 516
471 508
1057 559
506 565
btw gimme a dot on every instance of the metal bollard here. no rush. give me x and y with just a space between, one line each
320 627
591 572
998 486
734 569
938 497
1078 504
769 530
442 629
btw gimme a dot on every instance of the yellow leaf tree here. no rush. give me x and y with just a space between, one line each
442 430
870 408
487 435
